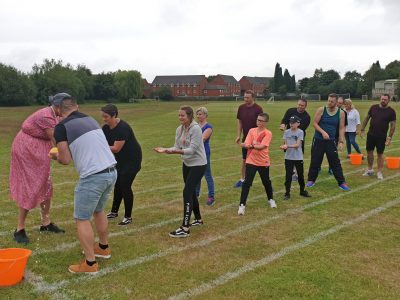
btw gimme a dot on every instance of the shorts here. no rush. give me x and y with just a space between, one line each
378 142
91 194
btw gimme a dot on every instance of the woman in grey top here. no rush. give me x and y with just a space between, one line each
188 143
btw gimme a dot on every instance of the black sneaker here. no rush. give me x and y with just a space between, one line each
197 223
112 215
21 237
305 194
179 233
51 228
125 221
286 197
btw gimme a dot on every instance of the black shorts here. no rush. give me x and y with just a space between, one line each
378 142
244 153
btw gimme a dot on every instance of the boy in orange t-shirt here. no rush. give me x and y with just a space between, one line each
257 144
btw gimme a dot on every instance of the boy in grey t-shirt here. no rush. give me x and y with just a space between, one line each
292 139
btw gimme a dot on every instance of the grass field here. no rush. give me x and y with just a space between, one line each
335 245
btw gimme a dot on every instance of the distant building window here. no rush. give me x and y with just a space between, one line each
195 91
194 85
172 85
205 91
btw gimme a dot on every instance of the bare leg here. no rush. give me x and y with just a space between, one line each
45 212
21 218
380 162
370 158
101 222
86 238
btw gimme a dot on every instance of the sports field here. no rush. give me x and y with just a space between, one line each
335 245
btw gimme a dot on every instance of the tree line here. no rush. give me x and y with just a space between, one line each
324 82
50 77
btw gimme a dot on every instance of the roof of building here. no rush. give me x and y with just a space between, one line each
258 80
388 80
215 87
178 79
228 78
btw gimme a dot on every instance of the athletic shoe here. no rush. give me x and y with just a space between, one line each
286 197
125 221
241 210
272 203
112 215
294 178
84 268
210 201
51 228
379 175
197 223
238 184
179 233
103 253
21 237
305 194
368 173
310 183
344 186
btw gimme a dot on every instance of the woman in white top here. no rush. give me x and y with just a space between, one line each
353 126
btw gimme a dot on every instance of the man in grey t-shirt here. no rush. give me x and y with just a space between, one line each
292 139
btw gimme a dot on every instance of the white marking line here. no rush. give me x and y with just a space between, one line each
65 246
222 279
51 287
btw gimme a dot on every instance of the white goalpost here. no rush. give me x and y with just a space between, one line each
271 100
315 97
364 97
344 96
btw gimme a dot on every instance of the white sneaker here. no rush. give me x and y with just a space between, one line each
379 175
241 210
272 203
368 173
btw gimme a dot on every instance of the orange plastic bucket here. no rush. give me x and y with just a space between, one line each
355 159
393 162
12 265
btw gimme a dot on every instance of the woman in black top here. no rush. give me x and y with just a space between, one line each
128 154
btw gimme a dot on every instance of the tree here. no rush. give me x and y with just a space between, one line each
129 84
53 77
287 80
293 87
374 73
86 76
392 70
278 78
16 88
164 93
103 86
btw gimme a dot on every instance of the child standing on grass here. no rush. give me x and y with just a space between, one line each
257 144
292 140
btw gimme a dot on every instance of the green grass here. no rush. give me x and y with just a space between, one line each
360 261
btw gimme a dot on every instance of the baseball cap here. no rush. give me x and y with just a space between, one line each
57 98
294 119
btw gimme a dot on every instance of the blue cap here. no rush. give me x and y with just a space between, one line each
57 98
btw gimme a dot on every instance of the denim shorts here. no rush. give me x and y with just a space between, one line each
91 194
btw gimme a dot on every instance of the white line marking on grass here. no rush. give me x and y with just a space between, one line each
205 287
51 287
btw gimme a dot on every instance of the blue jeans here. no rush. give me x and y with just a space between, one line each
91 194
351 140
209 179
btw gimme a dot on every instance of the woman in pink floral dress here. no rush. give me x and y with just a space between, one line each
30 181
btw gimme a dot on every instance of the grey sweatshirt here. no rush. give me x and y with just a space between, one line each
190 140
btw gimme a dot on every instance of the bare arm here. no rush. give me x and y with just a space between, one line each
206 134
317 118
391 132
364 124
50 135
64 155
239 129
342 129
117 146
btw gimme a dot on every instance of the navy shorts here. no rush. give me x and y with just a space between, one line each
375 142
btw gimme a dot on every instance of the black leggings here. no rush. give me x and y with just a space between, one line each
299 165
123 190
248 181
192 177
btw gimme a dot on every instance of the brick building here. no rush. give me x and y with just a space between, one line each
232 86
181 85
146 88
257 84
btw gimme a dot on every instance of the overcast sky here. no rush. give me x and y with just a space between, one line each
175 37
